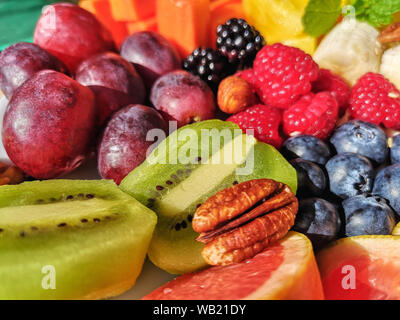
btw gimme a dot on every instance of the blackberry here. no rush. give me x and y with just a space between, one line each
239 42
209 65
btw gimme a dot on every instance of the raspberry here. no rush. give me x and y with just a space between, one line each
265 122
375 99
313 114
283 74
336 85
247 75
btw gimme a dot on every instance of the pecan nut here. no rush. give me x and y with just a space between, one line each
390 34
241 221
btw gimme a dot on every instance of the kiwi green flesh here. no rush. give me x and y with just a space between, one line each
96 245
173 247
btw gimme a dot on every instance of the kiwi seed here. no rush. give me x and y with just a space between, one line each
61 225
177 227
190 218
159 188
96 220
184 224
169 182
84 220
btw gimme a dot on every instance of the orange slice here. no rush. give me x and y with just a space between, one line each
361 268
286 270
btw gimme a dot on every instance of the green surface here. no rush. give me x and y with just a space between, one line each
18 19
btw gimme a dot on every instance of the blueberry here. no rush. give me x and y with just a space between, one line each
368 215
350 174
318 219
395 150
310 177
363 138
308 148
387 185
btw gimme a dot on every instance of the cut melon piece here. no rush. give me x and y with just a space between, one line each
173 185
184 23
132 10
70 239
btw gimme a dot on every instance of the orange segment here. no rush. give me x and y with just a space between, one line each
185 23
361 268
286 270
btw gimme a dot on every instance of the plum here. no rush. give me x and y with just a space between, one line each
21 61
124 145
183 97
49 125
113 80
71 33
151 54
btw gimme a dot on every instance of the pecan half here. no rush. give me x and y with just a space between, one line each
390 34
241 221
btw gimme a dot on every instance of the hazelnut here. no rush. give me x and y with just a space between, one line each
235 94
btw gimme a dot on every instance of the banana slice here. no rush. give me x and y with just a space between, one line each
351 49
390 66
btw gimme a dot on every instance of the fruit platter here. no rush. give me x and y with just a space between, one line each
201 150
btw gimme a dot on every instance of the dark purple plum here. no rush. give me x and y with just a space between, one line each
124 145
151 54
114 81
21 61
71 33
183 97
49 125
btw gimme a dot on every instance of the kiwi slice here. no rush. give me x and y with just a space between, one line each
70 239
174 189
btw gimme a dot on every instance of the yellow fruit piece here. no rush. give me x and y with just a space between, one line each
280 21
396 231
306 43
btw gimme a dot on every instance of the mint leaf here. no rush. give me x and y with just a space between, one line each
377 12
320 16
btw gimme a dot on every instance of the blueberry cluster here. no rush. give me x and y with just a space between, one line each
348 187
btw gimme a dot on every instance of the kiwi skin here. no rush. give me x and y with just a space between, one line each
94 235
173 247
